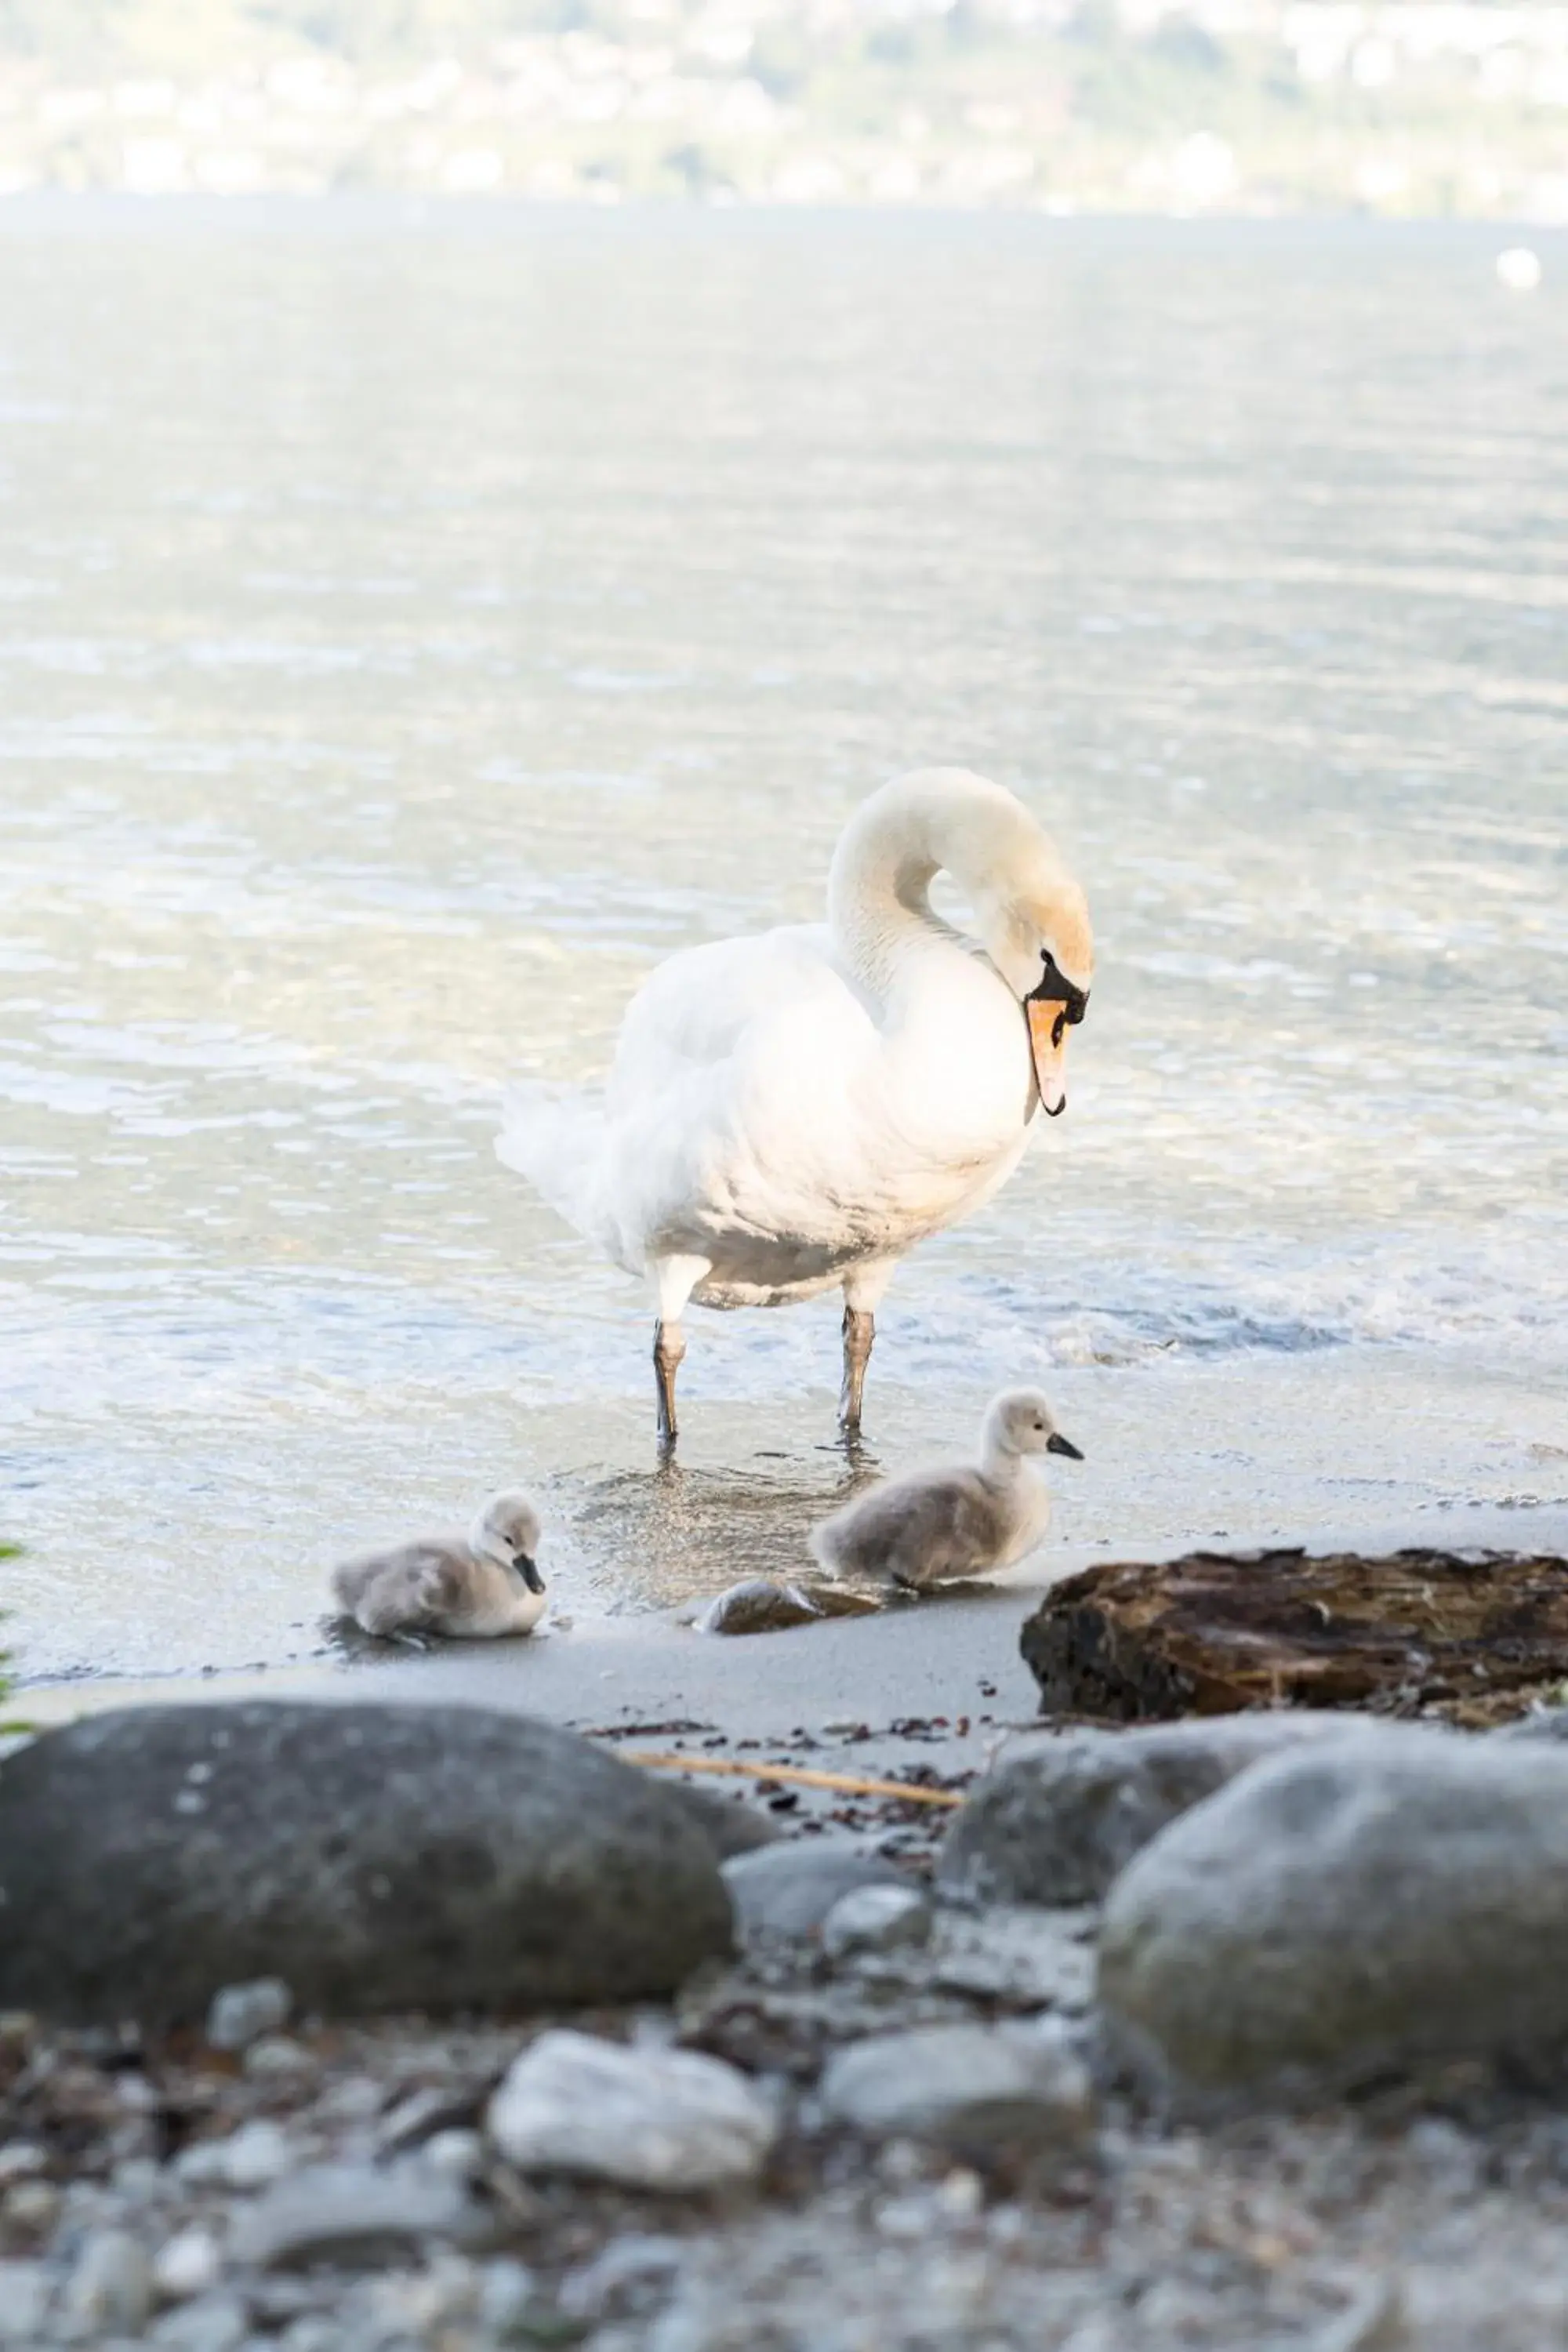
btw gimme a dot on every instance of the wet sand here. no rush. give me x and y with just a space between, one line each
930 1689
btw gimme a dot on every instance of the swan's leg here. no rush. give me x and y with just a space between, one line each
863 1291
674 1280
859 1332
668 1347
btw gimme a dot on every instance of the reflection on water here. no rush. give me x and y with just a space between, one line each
680 1531
410 630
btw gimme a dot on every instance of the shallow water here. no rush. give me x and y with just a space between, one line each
412 626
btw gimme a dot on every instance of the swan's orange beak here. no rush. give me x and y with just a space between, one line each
1047 1044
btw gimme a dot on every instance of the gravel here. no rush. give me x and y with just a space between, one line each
846 2140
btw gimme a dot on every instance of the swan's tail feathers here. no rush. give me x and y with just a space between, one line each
555 1139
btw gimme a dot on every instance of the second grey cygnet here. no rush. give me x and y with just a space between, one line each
939 1525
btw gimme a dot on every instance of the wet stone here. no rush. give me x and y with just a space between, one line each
757 1605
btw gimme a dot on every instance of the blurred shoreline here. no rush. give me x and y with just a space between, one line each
1248 107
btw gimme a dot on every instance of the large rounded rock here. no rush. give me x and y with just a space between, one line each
1057 1823
1338 1913
375 1857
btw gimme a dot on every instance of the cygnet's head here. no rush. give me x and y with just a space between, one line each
1019 1421
507 1531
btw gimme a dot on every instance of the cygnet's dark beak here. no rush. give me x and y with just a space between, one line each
1057 1444
529 1573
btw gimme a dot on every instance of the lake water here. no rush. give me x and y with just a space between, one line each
413 625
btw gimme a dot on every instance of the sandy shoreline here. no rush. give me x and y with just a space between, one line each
951 1666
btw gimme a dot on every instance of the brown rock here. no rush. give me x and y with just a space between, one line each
1474 1638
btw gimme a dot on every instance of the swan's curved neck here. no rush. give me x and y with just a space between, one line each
879 890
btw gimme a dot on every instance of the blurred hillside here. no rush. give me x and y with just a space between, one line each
1419 106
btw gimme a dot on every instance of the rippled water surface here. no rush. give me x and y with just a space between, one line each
411 627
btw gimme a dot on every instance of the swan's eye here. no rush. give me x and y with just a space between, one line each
1054 988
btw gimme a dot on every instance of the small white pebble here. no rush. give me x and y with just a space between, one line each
110 2290
188 2266
213 2322
875 1919
456 2155
137 2177
19 2158
241 2014
253 2157
356 2100
31 2208
277 2057
905 2220
961 2194
506 2290
311 2334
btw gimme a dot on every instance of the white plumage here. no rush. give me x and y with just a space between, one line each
795 1111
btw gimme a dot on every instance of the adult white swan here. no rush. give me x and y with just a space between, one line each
793 1112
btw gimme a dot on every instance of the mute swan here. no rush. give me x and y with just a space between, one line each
935 1526
795 1111
478 1585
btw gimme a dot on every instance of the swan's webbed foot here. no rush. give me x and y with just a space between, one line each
668 1347
859 1331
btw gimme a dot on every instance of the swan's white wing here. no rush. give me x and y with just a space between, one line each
733 1106
730 1110
554 1137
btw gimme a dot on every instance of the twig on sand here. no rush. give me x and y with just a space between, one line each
847 1783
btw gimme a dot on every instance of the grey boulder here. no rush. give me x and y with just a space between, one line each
973 2088
787 1891
1331 1916
375 1857
730 1824
1057 1823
